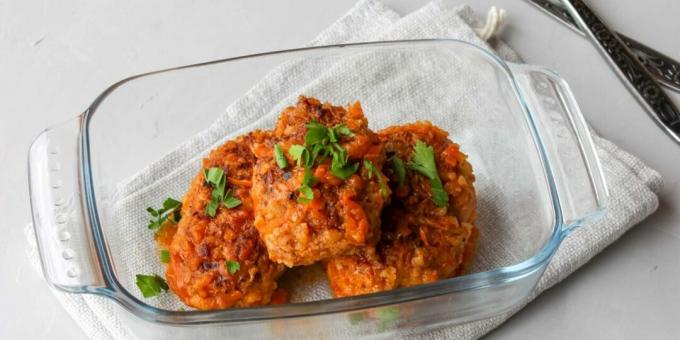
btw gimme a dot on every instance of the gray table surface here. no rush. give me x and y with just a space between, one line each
55 57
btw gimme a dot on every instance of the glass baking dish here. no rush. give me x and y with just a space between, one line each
538 177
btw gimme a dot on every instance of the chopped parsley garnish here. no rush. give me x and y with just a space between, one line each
299 153
151 285
169 211
317 133
305 189
355 318
230 201
387 317
233 267
308 179
398 169
216 178
423 162
213 176
343 130
322 142
340 167
306 194
373 171
343 172
388 313
319 153
165 256
281 160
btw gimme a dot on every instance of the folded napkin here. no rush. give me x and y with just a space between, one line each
633 185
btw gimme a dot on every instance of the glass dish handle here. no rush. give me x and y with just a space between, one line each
64 238
567 146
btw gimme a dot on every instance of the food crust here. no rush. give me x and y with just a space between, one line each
197 271
421 242
343 214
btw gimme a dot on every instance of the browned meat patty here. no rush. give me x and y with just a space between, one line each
421 241
220 262
344 212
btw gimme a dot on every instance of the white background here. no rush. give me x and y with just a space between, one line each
56 56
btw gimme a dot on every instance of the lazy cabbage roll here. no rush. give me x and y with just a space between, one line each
428 229
217 259
318 189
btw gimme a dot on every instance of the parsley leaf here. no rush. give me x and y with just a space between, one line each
306 194
332 136
233 267
439 195
165 256
355 318
308 179
387 316
170 211
343 172
373 171
216 178
211 208
317 133
305 189
339 166
172 205
322 142
343 130
337 131
423 162
281 160
230 201
398 169
151 285
339 154
319 153
213 176
299 153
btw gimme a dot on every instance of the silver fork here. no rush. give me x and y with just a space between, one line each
633 73
664 69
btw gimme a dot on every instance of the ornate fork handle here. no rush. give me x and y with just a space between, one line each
637 78
663 68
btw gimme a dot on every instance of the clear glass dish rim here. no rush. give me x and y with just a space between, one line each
501 275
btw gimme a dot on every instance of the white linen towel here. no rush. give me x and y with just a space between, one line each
633 185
